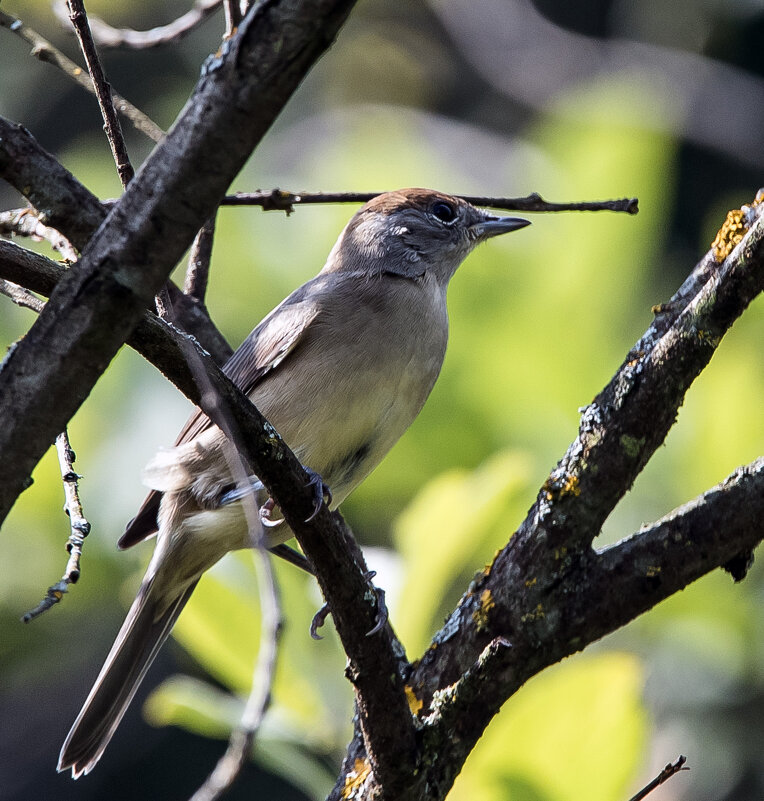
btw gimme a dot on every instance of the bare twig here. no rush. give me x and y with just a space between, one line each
20 296
282 200
25 222
197 273
670 770
113 129
79 525
45 51
106 35
242 738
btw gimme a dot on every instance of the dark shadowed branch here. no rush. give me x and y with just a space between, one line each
59 199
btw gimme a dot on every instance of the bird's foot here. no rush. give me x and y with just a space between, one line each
321 492
382 612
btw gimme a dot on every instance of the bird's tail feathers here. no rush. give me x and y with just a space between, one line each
140 638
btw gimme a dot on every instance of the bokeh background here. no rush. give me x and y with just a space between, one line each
588 100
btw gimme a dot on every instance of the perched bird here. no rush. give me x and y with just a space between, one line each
341 368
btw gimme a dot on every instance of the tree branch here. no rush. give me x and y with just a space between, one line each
103 92
107 35
282 200
61 201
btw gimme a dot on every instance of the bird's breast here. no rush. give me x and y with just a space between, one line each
358 380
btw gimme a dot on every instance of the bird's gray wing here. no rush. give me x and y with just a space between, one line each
260 354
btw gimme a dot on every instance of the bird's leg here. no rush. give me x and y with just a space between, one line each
321 493
237 493
382 612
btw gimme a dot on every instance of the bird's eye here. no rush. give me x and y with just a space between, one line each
445 212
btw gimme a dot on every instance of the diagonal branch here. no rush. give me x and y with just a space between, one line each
61 201
103 92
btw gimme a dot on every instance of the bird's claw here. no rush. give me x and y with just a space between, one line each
382 612
321 493
265 514
318 620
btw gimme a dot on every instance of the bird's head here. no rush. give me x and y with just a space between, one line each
413 231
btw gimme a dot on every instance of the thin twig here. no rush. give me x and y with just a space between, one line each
20 296
670 770
242 738
47 52
282 200
198 271
24 222
106 35
113 129
80 528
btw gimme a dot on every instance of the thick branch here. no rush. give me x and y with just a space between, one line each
61 201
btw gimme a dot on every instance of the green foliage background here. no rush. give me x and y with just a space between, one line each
539 322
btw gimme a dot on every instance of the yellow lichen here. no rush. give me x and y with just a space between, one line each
570 487
415 704
652 570
355 779
537 614
531 582
556 488
480 615
732 231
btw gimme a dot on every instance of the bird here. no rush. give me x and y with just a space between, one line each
340 368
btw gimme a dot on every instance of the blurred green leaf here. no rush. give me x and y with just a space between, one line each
453 526
576 731
205 710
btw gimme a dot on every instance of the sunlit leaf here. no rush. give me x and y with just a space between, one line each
576 731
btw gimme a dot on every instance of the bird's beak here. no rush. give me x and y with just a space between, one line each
493 226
